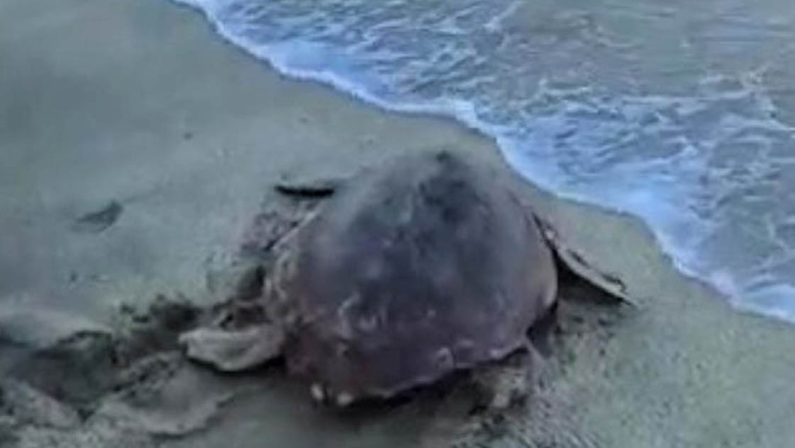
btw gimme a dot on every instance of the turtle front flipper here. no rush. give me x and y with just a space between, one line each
234 350
578 265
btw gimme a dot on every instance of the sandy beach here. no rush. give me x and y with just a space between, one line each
137 146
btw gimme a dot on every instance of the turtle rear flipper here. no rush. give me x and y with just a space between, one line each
234 350
502 384
578 265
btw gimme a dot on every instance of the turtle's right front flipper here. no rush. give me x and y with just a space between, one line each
234 350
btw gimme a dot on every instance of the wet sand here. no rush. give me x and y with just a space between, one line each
137 147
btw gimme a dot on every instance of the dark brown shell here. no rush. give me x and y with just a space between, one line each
420 268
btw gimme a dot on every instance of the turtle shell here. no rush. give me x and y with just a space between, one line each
420 268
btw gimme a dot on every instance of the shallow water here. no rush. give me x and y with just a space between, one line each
682 114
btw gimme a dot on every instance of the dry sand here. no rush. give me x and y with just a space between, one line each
136 148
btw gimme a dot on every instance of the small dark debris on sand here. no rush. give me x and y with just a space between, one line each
100 220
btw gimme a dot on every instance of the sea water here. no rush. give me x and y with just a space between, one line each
679 112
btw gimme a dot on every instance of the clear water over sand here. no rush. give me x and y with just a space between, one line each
682 113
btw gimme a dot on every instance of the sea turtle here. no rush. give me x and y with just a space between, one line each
425 265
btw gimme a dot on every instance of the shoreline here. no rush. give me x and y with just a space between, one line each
139 102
